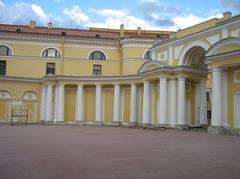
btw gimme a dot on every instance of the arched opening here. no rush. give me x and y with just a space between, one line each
5 105
97 55
195 57
237 110
30 104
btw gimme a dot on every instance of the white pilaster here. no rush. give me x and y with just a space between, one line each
203 103
216 97
55 104
162 101
172 87
146 103
116 103
98 107
43 103
133 107
79 115
49 103
61 103
181 102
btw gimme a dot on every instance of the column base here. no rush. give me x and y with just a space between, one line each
98 123
217 130
59 122
183 127
79 123
48 122
147 126
133 124
115 124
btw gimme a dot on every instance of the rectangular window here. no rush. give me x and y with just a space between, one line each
97 70
2 67
50 69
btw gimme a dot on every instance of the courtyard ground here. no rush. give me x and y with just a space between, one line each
48 151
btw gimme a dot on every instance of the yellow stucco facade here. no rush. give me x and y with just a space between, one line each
111 80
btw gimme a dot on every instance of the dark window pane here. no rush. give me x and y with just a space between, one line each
51 53
97 55
2 67
50 69
97 70
148 55
5 51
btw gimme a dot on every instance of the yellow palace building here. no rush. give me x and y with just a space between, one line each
123 77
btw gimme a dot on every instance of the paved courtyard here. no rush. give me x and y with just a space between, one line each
103 152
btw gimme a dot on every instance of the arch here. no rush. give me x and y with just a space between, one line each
5 94
9 50
185 50
48 48
214 49
29 95
147 55
151 65
236 123
91 54
195 57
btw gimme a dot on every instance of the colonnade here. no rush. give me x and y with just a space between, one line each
171 105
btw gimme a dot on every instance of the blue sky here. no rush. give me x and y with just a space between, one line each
148 14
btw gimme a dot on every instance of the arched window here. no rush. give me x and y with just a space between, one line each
51 53
148 55
5 51
97 55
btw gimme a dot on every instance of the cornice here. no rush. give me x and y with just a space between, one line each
222 56
135 41
204 33
58 40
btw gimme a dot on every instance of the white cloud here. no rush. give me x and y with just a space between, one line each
1 3
38 10
76 14
109 12
190 20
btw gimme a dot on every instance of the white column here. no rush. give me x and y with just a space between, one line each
49 103
162 101
146 103
133 107
79 116
56 104
216 97
98 107
203 105
116 103
181 102
172 101
43 103
60 103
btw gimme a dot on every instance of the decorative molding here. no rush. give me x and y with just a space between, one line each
204 34
222 56
137 42
236 76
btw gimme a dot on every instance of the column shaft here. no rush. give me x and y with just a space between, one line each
49 103
43 103
116 103
98 107
146 103
181 102
133 107
216 97
55 104
162 101
79 104
173 101
61 103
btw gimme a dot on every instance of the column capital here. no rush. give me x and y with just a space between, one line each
163 78
216 69
181 79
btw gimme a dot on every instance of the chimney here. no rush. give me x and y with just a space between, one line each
121 30
32 24
227 15
49 26
139 32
